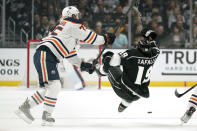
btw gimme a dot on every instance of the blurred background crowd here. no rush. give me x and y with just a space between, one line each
171 19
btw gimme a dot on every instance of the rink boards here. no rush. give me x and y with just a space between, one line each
174 67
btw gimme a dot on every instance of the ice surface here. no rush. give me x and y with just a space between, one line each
96 110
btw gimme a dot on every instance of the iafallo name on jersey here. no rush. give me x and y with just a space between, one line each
147 61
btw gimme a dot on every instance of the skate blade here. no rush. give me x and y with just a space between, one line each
182 123
79 88
45 123
121 110
21 115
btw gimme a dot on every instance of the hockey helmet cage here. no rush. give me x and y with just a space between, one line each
69 11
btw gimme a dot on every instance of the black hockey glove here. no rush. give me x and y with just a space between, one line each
106 60
97 68
88 67
109 38
107 57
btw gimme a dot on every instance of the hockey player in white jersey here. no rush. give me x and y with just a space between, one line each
191 108
59 44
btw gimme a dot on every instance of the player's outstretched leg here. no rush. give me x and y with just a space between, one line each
24 113
36 99
188 114
50 99
192 104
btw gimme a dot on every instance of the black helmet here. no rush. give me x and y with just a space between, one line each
147 33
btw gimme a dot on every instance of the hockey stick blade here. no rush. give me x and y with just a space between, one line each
177 94
181 94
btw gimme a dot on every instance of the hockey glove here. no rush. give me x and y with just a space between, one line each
99 70
88 67
107 57
109 38
106 60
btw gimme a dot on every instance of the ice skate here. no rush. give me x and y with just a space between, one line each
47 120
188 114
121 107
24 113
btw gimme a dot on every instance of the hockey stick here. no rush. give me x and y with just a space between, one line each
134 5
181 94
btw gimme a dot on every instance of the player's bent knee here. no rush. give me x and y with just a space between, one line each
146 95
53 88
133 98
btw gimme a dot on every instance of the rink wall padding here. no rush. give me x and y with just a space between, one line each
107 84
174 67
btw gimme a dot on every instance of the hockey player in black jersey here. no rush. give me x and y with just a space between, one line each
132 82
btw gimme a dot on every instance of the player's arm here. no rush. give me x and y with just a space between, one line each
156 51
80 32
109 59
75 60
112 59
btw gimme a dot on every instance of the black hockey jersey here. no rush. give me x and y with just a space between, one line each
137 67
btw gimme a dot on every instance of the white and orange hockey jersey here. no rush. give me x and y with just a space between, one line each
63 39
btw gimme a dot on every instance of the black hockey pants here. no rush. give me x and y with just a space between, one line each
114 76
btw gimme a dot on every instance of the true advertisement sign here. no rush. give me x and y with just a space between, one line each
179 65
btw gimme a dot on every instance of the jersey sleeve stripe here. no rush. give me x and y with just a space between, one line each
193 102
58 45
94 40
194 99
56 48
71 56
87 36
194 96
72 52
91 37
61 43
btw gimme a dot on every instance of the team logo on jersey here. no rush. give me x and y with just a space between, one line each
53 72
